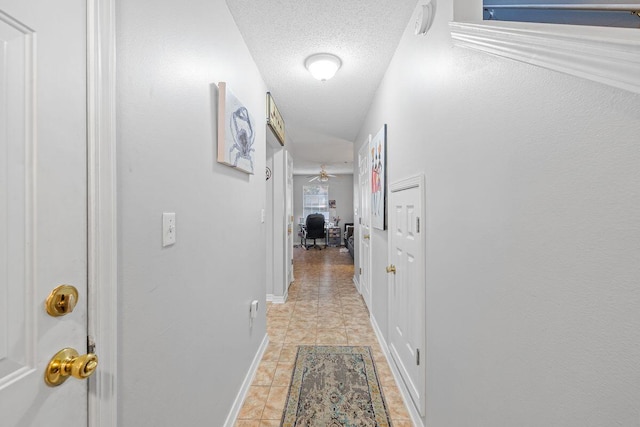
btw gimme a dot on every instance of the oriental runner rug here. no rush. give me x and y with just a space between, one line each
335 386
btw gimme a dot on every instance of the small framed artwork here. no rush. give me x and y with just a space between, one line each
236 132
332 204
274 119
378 158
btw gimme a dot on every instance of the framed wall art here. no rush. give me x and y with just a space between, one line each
236 132
378 158
274 119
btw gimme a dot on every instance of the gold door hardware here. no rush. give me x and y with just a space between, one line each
67 362
391 269
366 236
61 300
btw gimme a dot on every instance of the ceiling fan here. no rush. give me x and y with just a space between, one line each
323 176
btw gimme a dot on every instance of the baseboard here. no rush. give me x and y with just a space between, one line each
277 299
406 397
357 283
244 389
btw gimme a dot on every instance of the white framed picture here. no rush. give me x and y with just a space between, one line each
236 132
378 158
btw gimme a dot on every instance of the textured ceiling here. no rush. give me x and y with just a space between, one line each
322 119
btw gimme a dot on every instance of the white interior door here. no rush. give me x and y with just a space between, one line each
407 286
43 208
364 236
290 223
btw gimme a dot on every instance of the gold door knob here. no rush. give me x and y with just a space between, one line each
391 269
67 362
366 236
62 300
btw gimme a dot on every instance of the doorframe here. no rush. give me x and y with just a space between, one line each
365 213
102 243
417 181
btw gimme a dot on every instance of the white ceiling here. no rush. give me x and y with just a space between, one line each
322 119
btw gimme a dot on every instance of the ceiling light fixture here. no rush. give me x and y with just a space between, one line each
323 66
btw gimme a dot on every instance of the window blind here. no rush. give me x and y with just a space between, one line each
607 13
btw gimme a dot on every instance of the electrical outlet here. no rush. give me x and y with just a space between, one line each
168 228
253 310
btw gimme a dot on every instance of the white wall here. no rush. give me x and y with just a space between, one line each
340 190
185 337
533 260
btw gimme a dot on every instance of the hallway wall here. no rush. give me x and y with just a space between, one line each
186 340
532 234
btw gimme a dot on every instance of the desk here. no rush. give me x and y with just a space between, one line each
334 236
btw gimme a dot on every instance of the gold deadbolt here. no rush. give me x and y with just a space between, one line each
61 300
391 269
68 363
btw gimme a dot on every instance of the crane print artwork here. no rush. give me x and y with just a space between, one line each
236 134
378 159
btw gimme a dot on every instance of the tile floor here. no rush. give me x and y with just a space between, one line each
323 308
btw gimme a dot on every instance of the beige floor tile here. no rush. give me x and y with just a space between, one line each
323 308
281 310
336 336
306 306
288 353
278 322
402 423
276 336
336 322
395 404
264 374
304 336
272 353
329 312
384 373
275 403
282 376
254 403
304 323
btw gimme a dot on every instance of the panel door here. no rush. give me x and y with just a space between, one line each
364 236
43 211
407 291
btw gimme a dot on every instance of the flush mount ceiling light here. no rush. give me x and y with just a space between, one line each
323 66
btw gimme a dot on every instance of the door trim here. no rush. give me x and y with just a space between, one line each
365 213
102 210
416 181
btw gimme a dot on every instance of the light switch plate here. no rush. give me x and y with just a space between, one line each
168 228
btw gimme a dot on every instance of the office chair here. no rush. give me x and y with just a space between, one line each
314 229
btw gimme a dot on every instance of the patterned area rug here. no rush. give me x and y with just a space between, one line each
335 386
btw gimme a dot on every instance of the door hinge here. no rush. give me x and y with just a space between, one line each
417 356
360 270
91 344
292 262
417 224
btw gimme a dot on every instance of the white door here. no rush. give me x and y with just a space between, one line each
43 208
290 223
407 286
364 236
